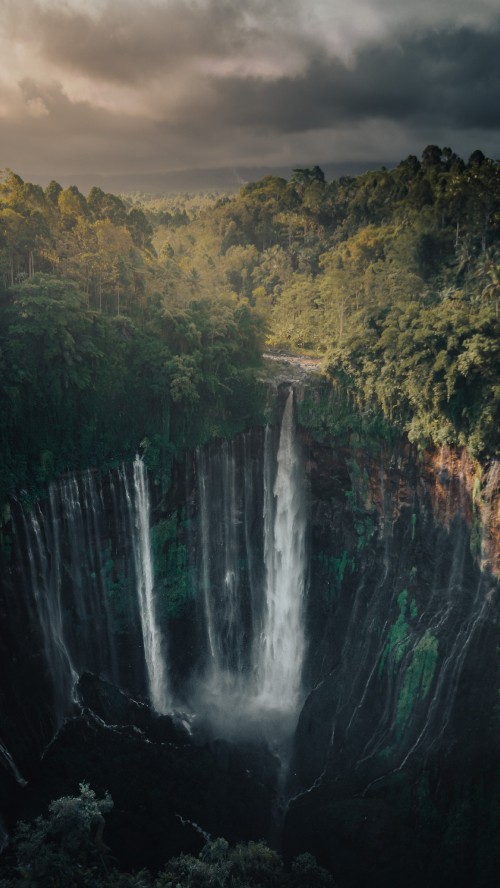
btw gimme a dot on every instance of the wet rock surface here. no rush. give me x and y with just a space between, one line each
394 773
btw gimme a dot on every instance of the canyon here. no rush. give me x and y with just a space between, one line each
296 638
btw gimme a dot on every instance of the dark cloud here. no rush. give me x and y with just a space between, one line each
129 43
165 85
124 49
450 78
61 137
74 136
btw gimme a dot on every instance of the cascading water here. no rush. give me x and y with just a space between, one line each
76 512
280 648
152 638
45 588
252 568
11 765
220 520
90 580
224 590
89 584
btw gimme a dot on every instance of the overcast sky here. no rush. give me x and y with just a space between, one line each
136 86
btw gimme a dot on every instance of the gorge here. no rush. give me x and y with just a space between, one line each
296 638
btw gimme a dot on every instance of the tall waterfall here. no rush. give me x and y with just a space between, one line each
152 638
281 645
222 583
44 565
239 574
88 577
252 565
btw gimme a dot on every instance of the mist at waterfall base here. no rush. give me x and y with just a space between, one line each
291 636
252 595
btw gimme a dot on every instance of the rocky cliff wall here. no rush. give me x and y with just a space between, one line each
394 775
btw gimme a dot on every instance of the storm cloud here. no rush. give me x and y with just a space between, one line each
451 78
158 85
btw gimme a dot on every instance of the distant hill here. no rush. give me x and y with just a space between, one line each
227 179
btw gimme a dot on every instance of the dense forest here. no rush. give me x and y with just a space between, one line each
119 318
95 358
136 324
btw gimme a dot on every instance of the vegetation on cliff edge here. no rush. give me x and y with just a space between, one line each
122 323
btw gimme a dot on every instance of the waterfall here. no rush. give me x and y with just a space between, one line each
45 588
221 554
151 634
205 557
90 581
66 582
281 645
251 573
77 533
88 577
11 765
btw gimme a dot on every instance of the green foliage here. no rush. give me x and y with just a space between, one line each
80 388
122 322
433 370
334 570
96 352
393 276
307 874
398 637
66 847
218 864
173 586
419 666
330 412
66 850
249 865
417 678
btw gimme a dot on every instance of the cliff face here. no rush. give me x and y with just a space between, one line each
393 772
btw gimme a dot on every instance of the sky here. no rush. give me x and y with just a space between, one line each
103 87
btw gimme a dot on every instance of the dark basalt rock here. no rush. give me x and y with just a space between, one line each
362 841
115 708
395 771
169 793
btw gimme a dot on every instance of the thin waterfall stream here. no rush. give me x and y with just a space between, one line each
153 642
